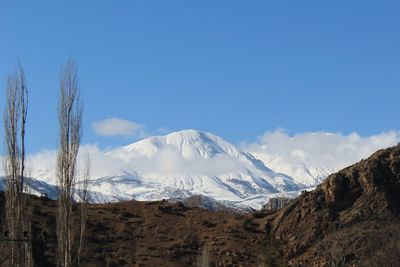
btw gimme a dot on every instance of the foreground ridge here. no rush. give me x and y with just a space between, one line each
351 218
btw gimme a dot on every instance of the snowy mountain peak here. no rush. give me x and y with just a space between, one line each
190 144
180 165
188 163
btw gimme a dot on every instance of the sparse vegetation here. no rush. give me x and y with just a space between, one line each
208 224
126 214
204 259
250 226
270 256
259 214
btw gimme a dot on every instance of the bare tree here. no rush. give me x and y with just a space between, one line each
70 131
84 197
17 206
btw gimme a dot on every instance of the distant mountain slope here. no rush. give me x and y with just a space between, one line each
191 163
302 170
176 166
351 218
37 187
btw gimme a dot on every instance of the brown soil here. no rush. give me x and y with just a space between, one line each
152 234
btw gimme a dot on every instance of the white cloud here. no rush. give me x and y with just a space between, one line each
43 164
320 152
118 127
170 161
302 156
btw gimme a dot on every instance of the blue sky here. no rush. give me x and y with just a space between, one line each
233 68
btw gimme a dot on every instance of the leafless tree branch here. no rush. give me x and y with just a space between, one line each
70 131
17 208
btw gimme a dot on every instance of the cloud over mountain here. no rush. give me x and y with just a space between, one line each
118 127
311 156
192 162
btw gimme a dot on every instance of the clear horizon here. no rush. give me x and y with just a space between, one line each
233 69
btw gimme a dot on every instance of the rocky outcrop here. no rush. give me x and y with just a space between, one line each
276 203
342 219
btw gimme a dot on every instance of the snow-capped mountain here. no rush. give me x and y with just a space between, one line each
192 163
302 170
188 163
177 166
36 187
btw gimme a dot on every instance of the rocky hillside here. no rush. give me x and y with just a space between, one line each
352 219
275 203
160 233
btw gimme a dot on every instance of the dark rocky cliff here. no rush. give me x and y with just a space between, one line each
350 219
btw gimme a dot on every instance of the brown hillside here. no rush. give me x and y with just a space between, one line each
349 220
352 219
152 234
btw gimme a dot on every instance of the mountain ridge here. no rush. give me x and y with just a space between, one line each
200 163
346 217
183 164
